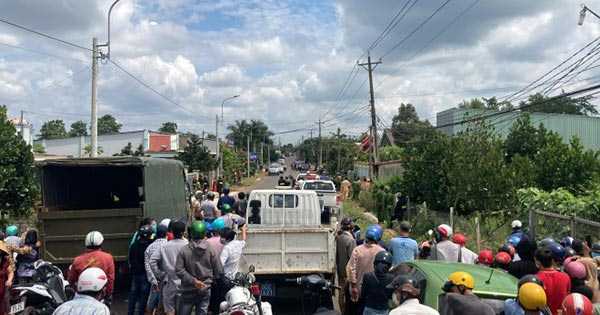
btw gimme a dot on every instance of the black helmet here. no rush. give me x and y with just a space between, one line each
346 222
401 280
145 232
532 279
569 252
383 257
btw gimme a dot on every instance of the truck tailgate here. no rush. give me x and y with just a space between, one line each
63 232
290 250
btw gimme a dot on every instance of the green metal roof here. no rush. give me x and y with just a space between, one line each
500 283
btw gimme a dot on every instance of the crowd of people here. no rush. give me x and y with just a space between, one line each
555 277
175 266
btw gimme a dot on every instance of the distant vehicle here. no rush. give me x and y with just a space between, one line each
281 161
327 194
109 195
492 285
275 169
287 240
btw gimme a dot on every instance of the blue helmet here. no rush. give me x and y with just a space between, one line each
12 230
374 233
514 239
567 241
209 226
547 241
558 252
218 224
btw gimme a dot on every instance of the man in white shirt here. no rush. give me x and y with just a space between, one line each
232 251
407 295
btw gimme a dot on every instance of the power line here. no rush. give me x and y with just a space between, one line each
43 34
391 25
403 40
40 52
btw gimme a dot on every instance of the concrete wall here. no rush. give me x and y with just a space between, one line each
110 144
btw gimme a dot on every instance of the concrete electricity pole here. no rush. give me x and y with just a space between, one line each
218 149
370 66
94 118
320 146
248 159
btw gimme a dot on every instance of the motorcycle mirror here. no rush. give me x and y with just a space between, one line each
251 268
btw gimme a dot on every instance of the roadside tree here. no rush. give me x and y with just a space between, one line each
107 124
53 129
78 128
168 127
196 156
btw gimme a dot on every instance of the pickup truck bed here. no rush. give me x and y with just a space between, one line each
301 250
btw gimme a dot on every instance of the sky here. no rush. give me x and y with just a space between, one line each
288 60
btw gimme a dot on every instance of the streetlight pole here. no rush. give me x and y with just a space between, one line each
582 13
97 54
220 157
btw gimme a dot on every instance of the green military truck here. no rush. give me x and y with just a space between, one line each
110 195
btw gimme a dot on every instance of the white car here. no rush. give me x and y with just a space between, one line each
275 169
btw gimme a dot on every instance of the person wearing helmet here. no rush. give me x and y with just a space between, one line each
217 226
402 247
145 221
373 291
231 219
91 289
502 260
577 304
557 284
344 245
526 263
459 297
360 263
485 257
531 300
199 269
516 234
208 208
558 252
27 255
160 240
406 293
468 256
140 287
12 237
583 255
162 263
94 256
576 270
225 199
444 249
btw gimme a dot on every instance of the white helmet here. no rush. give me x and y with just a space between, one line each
94 239
165 222
516 224
92 279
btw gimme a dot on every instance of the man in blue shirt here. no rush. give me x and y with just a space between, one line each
402 247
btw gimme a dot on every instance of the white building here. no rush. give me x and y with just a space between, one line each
24 129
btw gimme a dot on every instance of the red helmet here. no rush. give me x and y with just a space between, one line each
502 258
508 248
577 304
576 270
459 239
486 257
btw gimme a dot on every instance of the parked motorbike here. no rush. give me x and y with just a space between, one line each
244 298
44 294
318 295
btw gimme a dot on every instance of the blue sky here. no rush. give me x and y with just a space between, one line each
287 59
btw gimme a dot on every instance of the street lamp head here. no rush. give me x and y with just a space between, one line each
582 15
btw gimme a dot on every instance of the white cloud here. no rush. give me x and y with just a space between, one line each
227 75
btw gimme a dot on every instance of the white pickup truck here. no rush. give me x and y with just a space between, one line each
286 240
326 192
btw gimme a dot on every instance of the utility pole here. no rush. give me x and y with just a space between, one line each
339 149
94 118
23 126
218 147
320 146
248 158
370 66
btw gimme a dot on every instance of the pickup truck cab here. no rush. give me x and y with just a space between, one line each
286 240
326 192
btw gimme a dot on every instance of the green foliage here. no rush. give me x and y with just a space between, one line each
407 127
88 150
564 105
254 130
38 148
128 150
53 129
234 163
108 124
196 156
390 153
168 127
17 186
78 128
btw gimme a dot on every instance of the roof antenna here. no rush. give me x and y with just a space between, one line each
490 278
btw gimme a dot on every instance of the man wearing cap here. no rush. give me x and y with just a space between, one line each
406 293
345 244
444 249
403 248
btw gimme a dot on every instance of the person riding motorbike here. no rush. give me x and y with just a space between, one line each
459 297
406 293
94 257
91 289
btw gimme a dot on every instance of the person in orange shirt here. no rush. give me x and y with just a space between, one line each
94 257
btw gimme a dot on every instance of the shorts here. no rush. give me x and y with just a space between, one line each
169 296
153 299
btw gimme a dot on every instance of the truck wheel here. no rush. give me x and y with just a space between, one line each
29 310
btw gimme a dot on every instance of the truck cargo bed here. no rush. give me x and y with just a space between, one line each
290 250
